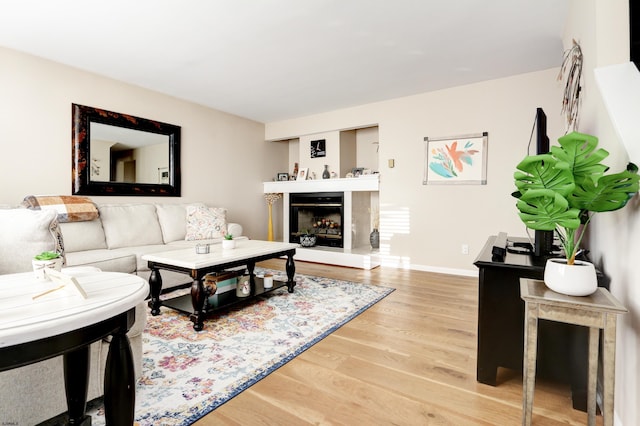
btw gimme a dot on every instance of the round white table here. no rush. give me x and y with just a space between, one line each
62 322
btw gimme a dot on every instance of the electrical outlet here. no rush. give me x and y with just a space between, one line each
465 249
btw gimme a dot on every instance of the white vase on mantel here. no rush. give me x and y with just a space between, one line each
579 279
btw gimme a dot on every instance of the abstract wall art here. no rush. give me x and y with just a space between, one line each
458 160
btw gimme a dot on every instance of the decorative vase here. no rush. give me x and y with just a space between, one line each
270 224
326 174
228 244
39 267
374 238
243 288
573 280
308 240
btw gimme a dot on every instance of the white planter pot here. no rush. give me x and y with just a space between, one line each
228 244
573 280
39 267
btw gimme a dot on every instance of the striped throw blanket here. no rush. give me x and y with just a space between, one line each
70 208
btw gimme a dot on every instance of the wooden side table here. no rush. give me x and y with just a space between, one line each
598 312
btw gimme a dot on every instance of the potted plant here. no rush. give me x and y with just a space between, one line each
228 242
561 191
46 259
307 239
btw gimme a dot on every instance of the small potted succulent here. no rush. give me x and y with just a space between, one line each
228 243
307 239
46 259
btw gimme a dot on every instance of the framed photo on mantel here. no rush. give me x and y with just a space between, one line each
303 173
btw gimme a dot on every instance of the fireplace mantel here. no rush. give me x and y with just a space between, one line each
362 183
358 192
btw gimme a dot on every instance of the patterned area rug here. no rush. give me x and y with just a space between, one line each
188 374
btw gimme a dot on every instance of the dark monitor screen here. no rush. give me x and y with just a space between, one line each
543 243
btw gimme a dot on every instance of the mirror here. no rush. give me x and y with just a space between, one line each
118 154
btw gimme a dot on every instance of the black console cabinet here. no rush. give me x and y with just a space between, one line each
562 348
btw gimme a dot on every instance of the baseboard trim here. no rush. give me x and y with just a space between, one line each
448 271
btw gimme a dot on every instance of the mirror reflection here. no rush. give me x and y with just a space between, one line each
127 155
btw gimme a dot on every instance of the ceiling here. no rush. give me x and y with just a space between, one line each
270 60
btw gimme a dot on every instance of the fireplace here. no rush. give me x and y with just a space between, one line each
321 213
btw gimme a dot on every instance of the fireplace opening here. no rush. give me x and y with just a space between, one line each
320 213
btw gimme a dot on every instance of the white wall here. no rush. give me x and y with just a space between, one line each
424 226
367 148
224 157
100 160
149 160
316 165
601 27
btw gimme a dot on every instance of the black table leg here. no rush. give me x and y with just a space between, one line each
119 382
198 297
251 266
155 286
76 380
291 273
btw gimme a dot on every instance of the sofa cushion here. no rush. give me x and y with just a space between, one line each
81 236
205 222
179 245
173 220
23 234
118 260
139 251
127 225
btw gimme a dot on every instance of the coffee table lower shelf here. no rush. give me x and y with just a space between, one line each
219 302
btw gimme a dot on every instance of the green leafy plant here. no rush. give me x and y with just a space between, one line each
47 255
228 237
562 190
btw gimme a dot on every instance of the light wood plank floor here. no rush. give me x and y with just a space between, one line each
408 360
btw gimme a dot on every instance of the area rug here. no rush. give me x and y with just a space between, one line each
188 374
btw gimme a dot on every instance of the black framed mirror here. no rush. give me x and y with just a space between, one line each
119 154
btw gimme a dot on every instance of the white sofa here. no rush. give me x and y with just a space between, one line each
124 232
115 241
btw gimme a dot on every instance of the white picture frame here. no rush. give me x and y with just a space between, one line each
460 160
303 173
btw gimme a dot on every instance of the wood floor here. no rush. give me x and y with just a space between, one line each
408 360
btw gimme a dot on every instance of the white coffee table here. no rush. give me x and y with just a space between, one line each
63 323
187 261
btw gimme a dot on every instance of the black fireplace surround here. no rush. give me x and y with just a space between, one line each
320 213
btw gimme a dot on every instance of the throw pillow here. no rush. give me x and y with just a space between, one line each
205 223
26 233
